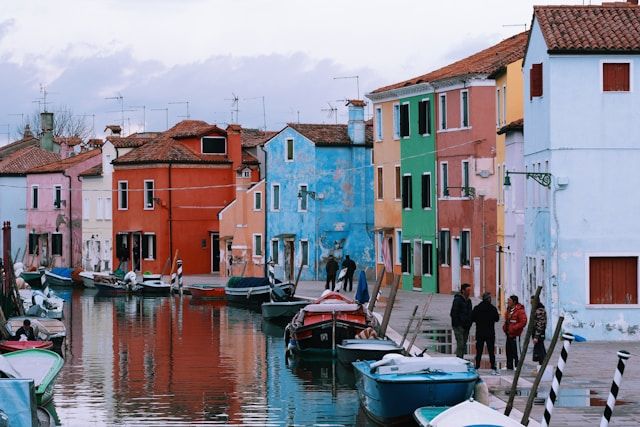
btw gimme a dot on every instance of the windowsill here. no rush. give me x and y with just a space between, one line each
149 209
427 275
468 267
616 91
616 306
257 210
444 265
379 200
397 199
453 129
407 209
275 210
396 137
288 161
148 259
123 209
454 198
379 140
406 273
305 211
406 137
425 135
426 209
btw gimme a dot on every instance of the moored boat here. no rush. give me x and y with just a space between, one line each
113 286
155 287
33 278
391 389
7 346
44 328
252 291
42 366
283 310
42 303
365 349
205 291
469 413
59 276
89 277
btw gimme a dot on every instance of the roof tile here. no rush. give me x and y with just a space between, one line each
64 164
326 134
24 159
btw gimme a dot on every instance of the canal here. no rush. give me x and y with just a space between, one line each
174 361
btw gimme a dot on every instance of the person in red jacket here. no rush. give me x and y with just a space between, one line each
514 322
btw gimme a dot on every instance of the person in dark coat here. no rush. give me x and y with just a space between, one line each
350 265
539 328
332 269
25 330
461 318
514 322
485 315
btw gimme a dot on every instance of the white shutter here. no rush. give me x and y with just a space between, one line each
107 208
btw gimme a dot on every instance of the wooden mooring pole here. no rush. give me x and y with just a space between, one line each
406 332
389 307
376 290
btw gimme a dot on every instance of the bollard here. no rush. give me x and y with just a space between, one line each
180 275
623 356
271 273
557 378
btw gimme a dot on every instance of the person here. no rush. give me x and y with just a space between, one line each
514 322
25 330
123 256
461 318
485 315
350 265
539 328
332 269
136 256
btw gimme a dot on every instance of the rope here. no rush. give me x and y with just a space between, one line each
623 356
555 385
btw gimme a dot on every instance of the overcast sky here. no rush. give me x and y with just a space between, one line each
154 52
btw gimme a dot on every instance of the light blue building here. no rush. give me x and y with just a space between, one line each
582 126
319 185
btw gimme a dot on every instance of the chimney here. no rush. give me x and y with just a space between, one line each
633 2
46 137
356 126
27 132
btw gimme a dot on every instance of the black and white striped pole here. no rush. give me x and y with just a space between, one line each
557 378
271 272
623 356
180 275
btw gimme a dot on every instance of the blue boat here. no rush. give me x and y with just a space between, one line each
390 390
59 276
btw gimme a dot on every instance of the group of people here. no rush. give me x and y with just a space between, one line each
332 269
485 315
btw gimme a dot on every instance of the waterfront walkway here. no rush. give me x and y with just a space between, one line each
587 376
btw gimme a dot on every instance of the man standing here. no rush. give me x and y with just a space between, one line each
539 328
514 322
485 315
350 265
332 269
461 318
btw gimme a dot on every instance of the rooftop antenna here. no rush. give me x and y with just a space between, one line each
517 25
166 111
357 78
93 123
120 98
264 112
332 111
144 115
235 104
187 116
122 111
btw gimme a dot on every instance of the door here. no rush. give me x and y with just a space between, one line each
289 256
455 264
136 252
417 265
229 258
215 252
476 277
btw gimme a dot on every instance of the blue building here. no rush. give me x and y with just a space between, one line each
582 126
319 186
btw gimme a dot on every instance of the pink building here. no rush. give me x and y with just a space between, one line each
54 211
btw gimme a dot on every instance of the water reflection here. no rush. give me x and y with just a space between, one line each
171 360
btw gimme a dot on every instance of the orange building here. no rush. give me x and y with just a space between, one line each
169 192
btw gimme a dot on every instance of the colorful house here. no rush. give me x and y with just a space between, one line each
319 189
169 192
54 210
582 128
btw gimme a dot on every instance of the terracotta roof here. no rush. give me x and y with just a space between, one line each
95 142
255 137
134 140
26 158
167 150
610 28
64 164
94 171
192 128
514 125
70 141
487 61
249 159
329 134
5 150
356 102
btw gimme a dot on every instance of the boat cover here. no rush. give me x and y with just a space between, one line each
396 364
248 282
61 271
19 402
468 413
328 308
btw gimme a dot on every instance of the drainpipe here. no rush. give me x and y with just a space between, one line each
170 216
267 241
70 222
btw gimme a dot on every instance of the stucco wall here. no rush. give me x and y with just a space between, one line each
14 208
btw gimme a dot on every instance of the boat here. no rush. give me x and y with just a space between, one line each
42 366
59 276
469 414
7 346
202 291
88 277
42 303
323 324
33 278
44 328
18 402
113 286
252 291
154 287
391 389
365 349
283 310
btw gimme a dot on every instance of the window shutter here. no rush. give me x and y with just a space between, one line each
427 107
404 120
535 80
426 191
615 77
422 117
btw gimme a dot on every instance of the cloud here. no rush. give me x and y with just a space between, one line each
5 27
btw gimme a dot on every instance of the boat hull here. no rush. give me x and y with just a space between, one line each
9 346
33 278
253 296
351 350
319 337
44 386
208 292
56 280
282 310
111 289
153 287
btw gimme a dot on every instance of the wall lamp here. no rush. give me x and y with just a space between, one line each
303 193
469 192
542 178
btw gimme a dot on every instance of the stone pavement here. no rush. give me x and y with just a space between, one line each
587 376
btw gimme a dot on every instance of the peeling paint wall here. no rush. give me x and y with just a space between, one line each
14 208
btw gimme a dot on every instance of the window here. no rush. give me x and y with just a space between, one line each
406 257
380 184
100 208
407 192
398 183
504 105
302 199
33 243
398 247
613 280
107 208
464 109
148 194
214 145
149 246
123 195
404 120
289 150
443 112
445 247
465 179
465 247
304 251
57 196
498 108
426 191
257 245
378 124
34 197
257 201
56 244
396 121
246 173
379 243
424 117
275 197
275 253
616 77
444 179
427 258
535 80
85 208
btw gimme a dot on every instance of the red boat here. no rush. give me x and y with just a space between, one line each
9 346
207 291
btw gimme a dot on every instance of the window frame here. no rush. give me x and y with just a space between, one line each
587 258
53 245
429 205
379 183
498 107
407 195
398 182
304 251
35 196
286 150
397 235
428 129
444 180
276 258
617 61
442 117
396 121
149 205
407 106
255 247
406 262
57 196
154 252
462 109
123 195
465 179
533 75
274 198
444 256
429 244
86 208
304 197
226 148
465 248
257 201
378 122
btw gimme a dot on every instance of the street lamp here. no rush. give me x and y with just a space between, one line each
302 193
542 178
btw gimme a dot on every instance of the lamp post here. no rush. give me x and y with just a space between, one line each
542 178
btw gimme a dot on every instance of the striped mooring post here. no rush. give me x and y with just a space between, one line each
623 356
557 378
271 272
180 275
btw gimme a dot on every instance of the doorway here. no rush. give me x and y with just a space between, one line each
136 253
417 265
289 256
455 264
215 253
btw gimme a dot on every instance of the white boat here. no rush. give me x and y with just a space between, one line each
42 303
468 413
88 278
44 328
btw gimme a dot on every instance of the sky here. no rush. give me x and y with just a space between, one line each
161 54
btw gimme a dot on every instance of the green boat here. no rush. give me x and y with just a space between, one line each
33 278
42 366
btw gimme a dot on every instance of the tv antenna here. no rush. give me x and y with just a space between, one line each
166 111
264 111
144 114
357 78
93 123
516 25
120 98
331 111
187 116
235 106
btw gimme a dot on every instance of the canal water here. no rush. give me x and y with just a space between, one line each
173 361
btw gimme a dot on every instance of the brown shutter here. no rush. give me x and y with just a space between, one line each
613 280
615 77
535 80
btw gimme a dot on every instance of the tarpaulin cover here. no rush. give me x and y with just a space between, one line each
18 401
61 271
248 282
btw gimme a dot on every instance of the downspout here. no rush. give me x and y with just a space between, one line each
170 216
267 241
70 222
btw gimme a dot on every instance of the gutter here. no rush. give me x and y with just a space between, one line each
266 209
64 173
170 215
